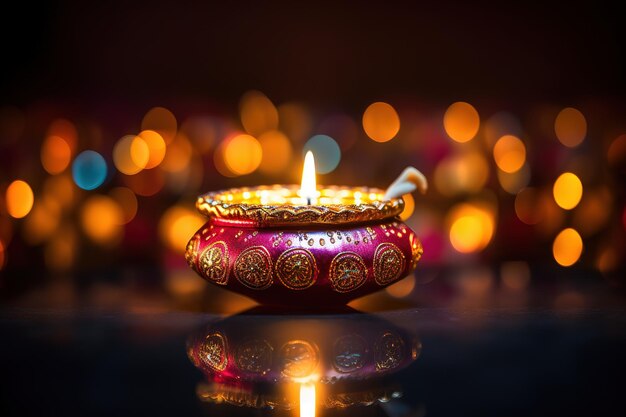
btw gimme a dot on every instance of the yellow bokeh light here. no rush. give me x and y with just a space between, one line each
243 154
470 227
277 152
162 121
409 207
55 154
307 399
567 191
402 288
178 154
509 153
258 114
130 154
19 199
463 173
570 127
178 225
156 148
461 121
381 122
101 218
567 247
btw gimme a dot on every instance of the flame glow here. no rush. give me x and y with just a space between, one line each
308 188
307 399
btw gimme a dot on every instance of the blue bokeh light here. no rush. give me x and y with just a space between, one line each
326 152
89 170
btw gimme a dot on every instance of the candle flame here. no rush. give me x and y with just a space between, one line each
308 189
307 399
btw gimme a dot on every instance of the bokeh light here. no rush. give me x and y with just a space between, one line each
162 121
19 199
130 154
461 121
509 153
61 189
56 154
570 127
501 124
258 114
178 154
276 151
242 154
381 122
567 190
89 170
156 148
65 130
594 211
465 172
409 207
102 218
127 201
471 227
567 247
326 151
178 225
514 182
402 288
295 121
42 221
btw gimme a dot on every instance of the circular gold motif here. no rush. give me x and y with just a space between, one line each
349 353
253 268
212 352
347 272
388 263
254 356
389 351
214 263
296 269
299 359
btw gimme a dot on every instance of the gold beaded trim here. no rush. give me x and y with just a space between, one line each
253 268
280 205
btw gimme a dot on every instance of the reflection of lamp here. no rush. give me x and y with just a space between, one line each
288 361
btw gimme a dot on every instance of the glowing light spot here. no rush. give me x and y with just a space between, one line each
183 283
178 154
156 148
402 288
242 154
162 121
567 191
89 170
461 121
409 206
567 247
509 153
307 399
101 219
381 122
570 127
127 201
463 173
61 189
130 154
178 225
42 221
258 114
19 199
471 228
326 151
65 130
55 154
277 152
500 124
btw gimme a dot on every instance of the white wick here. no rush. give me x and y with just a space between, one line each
407 182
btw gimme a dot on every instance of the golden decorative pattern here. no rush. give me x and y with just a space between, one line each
281 205
214 263
299 359
253 268
347 272
389 352
191 252
416 250
296 268
388 263
349 353
254 356
212 352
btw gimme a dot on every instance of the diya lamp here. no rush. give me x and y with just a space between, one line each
306 245
263 360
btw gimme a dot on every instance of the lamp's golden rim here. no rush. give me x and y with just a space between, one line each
281 205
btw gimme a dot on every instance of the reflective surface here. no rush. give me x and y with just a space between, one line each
434 361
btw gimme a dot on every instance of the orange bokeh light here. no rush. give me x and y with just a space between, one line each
461 121
19 199
381 122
